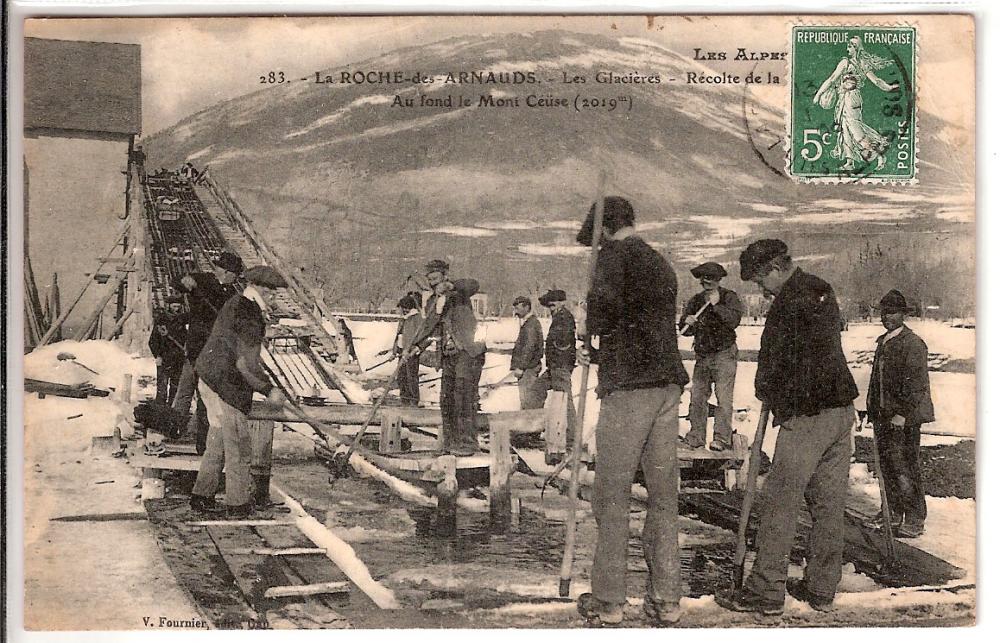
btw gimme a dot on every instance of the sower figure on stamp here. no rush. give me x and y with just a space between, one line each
526 359
409 372
166 343
712 317
631 307
899 402
206 293
803 377
230 372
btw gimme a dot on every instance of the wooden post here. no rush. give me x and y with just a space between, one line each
390 438
446 523
500 470
127 388
555 427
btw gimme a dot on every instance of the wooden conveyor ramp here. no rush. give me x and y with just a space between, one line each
187 227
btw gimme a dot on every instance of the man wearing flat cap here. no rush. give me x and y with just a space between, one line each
899 402
206 292
449 318
631 307
712 317
230 373
803 379
526 359
166 343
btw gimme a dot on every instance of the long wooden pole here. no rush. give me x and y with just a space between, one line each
56 325
566 572
752 470
96 315
890 541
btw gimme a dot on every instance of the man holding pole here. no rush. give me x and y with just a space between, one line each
631 307
526 359
230 373
899 402
803 377
712 317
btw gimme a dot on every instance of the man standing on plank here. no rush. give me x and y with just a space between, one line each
230 372
899 401
803 378
631 307
166 343
526 360
715 352
206 293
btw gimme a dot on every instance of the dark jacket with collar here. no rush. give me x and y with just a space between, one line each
801 368
632 308
528 347
715 329
900 383
238 334
205 301
560 343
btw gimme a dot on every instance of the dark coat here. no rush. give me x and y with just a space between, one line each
632 307
715 329
528 348
900 383
169 346
560 343
801 368
238 333
205 301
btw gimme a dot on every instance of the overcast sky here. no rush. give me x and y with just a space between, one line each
191 63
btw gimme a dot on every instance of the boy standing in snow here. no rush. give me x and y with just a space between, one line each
899 401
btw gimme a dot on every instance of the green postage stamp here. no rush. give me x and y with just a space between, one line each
853 110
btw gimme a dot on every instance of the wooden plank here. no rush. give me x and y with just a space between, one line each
305 566
197 565
270 551
529 421
237 523
312 589
179 462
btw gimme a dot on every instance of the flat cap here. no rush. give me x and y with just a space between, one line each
265 276
759 253
552 296
618 214
230 261
709 270
436 265
522 301
893 302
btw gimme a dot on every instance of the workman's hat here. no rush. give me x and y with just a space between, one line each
522 301
758 254
552 296
893 302
436 265
265 276
229 261
618 214
709 270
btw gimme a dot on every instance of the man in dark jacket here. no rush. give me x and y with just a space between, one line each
631 307
803 378
409 371
230 373
166 343
526 360
450 318
712 317
899 401
206 293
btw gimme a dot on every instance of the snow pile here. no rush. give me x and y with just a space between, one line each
107 358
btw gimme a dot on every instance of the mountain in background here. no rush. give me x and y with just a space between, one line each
358 193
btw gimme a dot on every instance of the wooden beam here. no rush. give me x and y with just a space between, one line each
500 470
270 551
283 591
530 421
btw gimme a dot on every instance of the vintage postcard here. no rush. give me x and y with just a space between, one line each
518 321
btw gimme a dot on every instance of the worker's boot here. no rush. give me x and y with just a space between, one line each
261 491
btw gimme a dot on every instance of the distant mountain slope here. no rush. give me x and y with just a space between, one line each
359 191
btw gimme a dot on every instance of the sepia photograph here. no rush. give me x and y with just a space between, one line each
496 321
